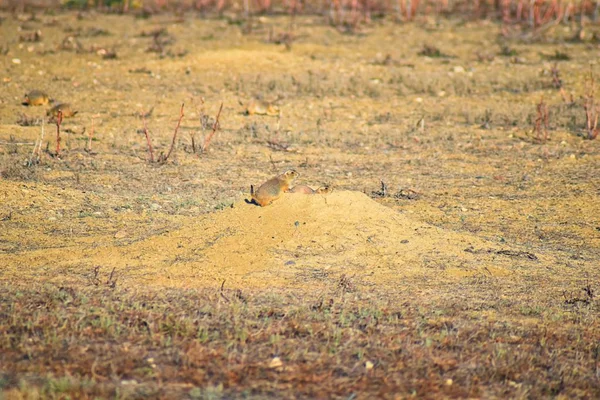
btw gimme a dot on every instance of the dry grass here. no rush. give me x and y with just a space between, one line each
444 141
418 340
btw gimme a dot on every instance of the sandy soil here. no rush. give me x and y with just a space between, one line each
469 188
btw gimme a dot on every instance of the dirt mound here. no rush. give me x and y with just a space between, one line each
298 240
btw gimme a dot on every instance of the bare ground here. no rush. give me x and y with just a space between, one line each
471 273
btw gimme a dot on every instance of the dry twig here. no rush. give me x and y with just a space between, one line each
541 122
59 117
558 84
163 158
592 110
148 141
37 149
215 126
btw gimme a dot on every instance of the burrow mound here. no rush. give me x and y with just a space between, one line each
303 239
300 240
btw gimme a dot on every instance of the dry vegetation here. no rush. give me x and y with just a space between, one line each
475 122
421 340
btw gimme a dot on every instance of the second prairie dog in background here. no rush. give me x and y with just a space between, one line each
272 189
36 98
308 190
67 110
256 107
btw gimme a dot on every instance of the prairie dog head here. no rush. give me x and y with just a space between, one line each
290 175
324 190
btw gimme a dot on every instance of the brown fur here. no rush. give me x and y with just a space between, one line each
301 189
308 190
272 189
36 98
67 110
324 190
262 108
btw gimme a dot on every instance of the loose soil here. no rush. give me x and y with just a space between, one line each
443 196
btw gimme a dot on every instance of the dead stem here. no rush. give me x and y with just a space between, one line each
59 118
215 126
592 110
541 122
148 141
164 158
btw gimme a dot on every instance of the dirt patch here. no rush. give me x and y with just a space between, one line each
299 240
456 257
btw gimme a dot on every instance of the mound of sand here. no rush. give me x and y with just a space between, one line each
303 239
298 240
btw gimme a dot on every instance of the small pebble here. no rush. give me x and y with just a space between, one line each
275 363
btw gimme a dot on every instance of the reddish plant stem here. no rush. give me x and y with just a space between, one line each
215 126
59 118
150 150
165 158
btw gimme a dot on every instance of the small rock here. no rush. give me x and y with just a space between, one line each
155 206
16 61
458 69
369 365
449 382
275 363
121 234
